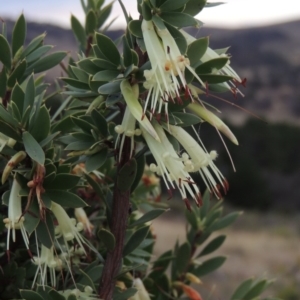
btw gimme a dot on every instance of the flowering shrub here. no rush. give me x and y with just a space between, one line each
76 184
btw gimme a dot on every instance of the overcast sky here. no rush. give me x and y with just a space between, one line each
234 14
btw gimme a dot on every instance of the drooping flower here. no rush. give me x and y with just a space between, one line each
81 217
87 294
67 227
127 129
15 218
45 261
198 159
141 293
170 167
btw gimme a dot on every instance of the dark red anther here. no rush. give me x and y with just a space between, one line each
168 49
179 100
234 92
187 93
225 186
158 117
199 199
170 194
187 204
243 82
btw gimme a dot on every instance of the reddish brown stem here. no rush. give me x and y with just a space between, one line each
118 225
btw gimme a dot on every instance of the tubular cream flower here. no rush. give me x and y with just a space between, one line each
161 80
87 294
127 129
141 293
67 227
170 166
196 159
45 261
83 218
15 219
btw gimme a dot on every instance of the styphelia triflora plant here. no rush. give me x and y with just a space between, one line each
76 182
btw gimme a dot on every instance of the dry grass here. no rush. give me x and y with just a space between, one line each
257 245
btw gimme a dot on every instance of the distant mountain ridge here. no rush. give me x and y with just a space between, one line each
269 57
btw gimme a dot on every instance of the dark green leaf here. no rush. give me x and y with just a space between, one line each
178 19
78 31
18 96
108 48
99 122
62 182
9 131
225 221
256 290
135 240
88 66
213 79
37 53
5 54
127 175
193 7
95 161
46 62
29 94
124 295
45 231
33 148
18 34
213 245
107 238
65 199
179 38
32 217
76 83
84 125
242 290
17 74
106 75
90 22
170 5
104 14
3 82
135 27
40 126
186 119
212 65
141 162
209 266
104 64
110 88
7 117
182 258
56 295
30 295
80 74
149 216
197 49
35 43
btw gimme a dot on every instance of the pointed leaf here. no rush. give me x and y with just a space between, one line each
108 48
18 34
95 161
213 245
149 216
33 149
178 19
5 54
209 266
127 175
107 238
65 199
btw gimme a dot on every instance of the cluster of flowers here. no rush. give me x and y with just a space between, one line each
164 83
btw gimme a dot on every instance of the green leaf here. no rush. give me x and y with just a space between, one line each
135 27
7 117
32 217
56 295
257 289
108 48
65 199
30 295
149 216
197 49
104 14
127 175
17 96
3 82
46 62
35 43
178 19
37 54
135 240
172 5
106 75
213 79
124 295
63 182
213 245
242 290
90 22
179 38
209 266
182 258
33 149
110 88
40 125
9 131
104 64
29 94
193 7
186 119
225 221
78 31
107 238
95 161
5 54
141 162
17 74
100 122
18 34
88 66
212 65
45 231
